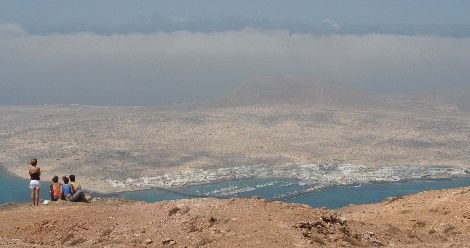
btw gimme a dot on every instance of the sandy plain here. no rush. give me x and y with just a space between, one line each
101 143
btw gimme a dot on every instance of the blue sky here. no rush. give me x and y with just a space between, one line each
142 52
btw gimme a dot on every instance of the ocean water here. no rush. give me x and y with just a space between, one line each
340 196
261 187
13 189
291 191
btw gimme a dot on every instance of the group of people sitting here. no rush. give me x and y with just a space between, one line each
70 190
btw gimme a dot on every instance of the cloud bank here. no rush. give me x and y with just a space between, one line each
161 68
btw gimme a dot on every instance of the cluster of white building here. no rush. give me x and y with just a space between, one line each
315 175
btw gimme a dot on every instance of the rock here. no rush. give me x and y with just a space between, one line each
169 242
212 221
317 239
192 227
184 209
76 241
466 216
389 200
173 211
377 242
202 242
420 224
148 241
136 241
67 238
106 232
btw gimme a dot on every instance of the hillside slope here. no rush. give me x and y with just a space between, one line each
295 90
430 219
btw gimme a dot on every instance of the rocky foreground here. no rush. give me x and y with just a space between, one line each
428 219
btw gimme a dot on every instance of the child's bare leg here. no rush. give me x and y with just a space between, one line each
33 196
37 197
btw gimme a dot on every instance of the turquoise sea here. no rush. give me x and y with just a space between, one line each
13 189
279 189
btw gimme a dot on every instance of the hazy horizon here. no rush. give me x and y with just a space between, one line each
158 52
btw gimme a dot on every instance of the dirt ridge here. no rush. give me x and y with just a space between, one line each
428 219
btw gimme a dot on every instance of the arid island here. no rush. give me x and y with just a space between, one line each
274 126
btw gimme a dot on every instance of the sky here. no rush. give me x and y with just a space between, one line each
150 52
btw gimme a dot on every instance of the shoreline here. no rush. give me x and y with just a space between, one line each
309 190
282 190
314 176
453 172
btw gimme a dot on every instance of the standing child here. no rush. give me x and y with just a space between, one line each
34 185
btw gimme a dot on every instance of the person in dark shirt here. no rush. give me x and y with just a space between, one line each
34 185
